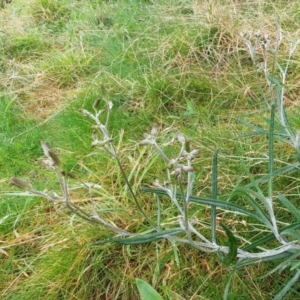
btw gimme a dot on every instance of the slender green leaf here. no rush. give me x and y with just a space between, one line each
230 257
292 209
171 294
257 129
209 201
270 237
252 179
283 265
278 130
3 219
214 194
158 212
191 107
251 261
295 264
10 102
284 170
271 153
245 194
228 285
287 287
146 291
141 238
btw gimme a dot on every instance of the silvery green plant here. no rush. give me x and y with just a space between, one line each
178 187
264 55
281 240
179 167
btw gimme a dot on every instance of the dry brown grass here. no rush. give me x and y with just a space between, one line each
49 100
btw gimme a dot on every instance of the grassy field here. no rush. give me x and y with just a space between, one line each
180 64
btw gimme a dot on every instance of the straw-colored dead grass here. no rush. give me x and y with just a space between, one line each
45 101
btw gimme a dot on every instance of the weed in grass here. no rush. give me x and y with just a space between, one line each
227 254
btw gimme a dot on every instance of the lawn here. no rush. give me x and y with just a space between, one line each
209 69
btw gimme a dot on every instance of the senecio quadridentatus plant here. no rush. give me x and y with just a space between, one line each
273 239
263 52
180 194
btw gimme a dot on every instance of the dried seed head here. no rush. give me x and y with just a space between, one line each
68 174
147 136
257 33
187 145
19 183
45 148
54 158
50 154
156 183
95 135
96 103
144 142
101 143
177 172
154 130
242 33
172 163
181 138
188 169
48 162
84 112
195 152
190 155
109 105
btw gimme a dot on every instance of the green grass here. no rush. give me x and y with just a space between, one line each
180 64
